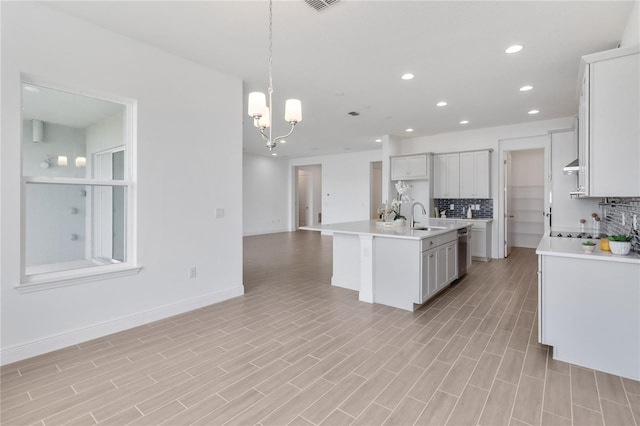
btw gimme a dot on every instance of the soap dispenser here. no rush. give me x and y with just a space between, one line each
469 215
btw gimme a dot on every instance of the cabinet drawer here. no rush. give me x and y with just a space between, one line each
429 243
448 237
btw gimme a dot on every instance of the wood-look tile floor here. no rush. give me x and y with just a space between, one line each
294 350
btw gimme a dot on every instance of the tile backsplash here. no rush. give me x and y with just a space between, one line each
461 204
612 213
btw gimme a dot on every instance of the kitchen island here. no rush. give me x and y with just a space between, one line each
391 264
589 306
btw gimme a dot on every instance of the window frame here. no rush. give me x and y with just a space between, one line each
47 280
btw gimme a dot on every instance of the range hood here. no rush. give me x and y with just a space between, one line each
572 168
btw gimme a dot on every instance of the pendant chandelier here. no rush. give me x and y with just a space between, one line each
258 108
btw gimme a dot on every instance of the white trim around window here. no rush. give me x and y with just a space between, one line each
57 273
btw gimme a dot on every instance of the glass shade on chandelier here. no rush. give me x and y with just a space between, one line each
261 112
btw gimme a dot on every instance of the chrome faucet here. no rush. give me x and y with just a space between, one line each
424 212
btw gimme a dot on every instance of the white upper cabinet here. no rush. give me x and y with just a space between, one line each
462 175
475 174
410 167
610 137
446 176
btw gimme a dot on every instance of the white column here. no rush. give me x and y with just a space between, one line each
366 268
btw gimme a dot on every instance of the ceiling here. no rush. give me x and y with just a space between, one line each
350 58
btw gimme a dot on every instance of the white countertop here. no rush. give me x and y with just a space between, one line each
572 247
376 229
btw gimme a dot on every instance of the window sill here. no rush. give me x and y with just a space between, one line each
52 280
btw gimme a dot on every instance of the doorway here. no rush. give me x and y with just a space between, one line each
376 188
525 198
308 192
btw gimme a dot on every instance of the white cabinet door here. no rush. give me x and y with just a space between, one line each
428 274
475 174
410 167
478 242
452 261
418 166
441 267
439 176
467 175
447 176
482 163
400 168
583 136
614 127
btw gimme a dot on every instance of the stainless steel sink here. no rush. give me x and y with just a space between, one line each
428 228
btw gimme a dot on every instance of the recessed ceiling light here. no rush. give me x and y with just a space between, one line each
378 140
32 89
441 103
526 88
464 122
407 76
533 111
409 130
274 154
513 49
283 141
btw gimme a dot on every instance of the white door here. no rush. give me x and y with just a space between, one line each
508 214
304 192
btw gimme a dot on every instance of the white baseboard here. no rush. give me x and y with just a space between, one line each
52 343
266 231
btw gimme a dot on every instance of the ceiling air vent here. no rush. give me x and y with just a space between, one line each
321 5
354 113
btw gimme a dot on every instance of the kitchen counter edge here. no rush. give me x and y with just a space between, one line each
571 247
373 228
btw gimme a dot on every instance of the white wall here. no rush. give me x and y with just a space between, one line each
265 195
567 211
189 162
487 138
345 184
631 34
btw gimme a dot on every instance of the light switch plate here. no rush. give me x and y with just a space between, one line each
219 212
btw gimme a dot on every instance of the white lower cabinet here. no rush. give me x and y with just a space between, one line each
408 272
481 241
589 311
439 265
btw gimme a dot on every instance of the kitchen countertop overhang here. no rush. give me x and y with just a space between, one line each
377 229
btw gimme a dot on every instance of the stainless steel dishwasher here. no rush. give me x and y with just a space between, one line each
463 250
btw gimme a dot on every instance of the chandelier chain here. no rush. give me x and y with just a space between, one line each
270 46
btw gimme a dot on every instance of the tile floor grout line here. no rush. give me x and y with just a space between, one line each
595 379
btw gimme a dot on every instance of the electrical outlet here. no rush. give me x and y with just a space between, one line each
477 206
193 272
635 222
219 212
452 207
624 219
